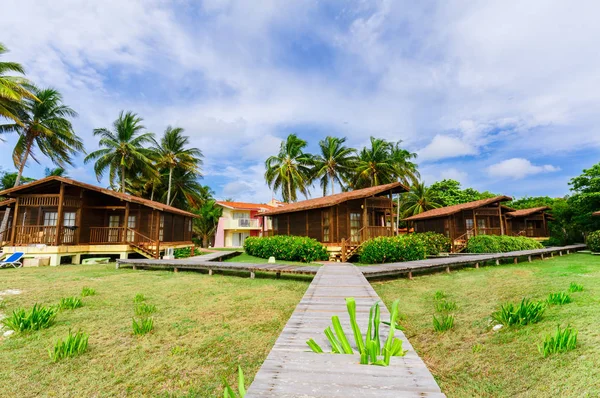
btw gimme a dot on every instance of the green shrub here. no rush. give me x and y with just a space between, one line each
143 309
186 252
70 303
87 291
145 325
574 287
392 249
75 344
439 295
445 322
518 315
37 318
286 248
139 298
563 340
559 298
434 243
593 241
501 244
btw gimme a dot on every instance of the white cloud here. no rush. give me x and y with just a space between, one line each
518 168
444 147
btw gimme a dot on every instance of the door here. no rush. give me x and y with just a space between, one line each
69 227
114 222
48 233
355 226
238 238
469 226
131 226
481 226
326 226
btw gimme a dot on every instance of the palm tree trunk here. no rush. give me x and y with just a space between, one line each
332 185
289 184
169 190
123 178
398 216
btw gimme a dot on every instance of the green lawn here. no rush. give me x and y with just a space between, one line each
204 327
471 360
246 258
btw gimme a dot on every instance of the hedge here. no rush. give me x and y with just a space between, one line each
186 252
593 241
501 244
393 249
434 242
286 248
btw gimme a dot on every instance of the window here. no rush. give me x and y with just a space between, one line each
131 225
481 226
326 226
469 225
355 227
114 221
69 224
161 232
50 219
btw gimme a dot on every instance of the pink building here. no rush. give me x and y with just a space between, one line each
241 220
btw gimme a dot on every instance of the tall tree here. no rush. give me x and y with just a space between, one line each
405 169
334 164
55 172
290 170
187 192
13 89
173 153
122 150
449 192
375 165
418 200
206 225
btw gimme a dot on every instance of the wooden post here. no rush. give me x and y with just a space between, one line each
447 269
175 269
545 226
307 223
475 228
551 254
343 250
13 236
288 225
210 271
157 235
365 222
477 265
60 215
410 275
278 275
125 223
568 251
252 275
134 267
529 258
516 260
497 262
542 256
560 253
500 215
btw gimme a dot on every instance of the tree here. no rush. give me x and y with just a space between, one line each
8 180
206 225
55 172
13 89
172 153
290 170
449 192
122 150
334 164
406 170
186 191
418 200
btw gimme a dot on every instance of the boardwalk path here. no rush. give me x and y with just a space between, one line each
291 370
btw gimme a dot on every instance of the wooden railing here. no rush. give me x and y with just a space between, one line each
374 232
4 237
142 242
35 235
106 235
489 231
532 233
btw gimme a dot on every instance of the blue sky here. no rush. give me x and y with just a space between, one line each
500 95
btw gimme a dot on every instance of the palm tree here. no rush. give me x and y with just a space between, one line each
13 89
290 170
186 190
375 165
334 163
55 172
418 200
122 150
171 153
406 170
206 225
44 126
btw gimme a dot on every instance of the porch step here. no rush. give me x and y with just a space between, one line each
143 251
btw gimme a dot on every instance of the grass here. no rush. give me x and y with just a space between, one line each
246 258
205 327
143 326
559 298
524 313
87 291
70 303
74 344
443 323
472 360
37 318
562 340
143 309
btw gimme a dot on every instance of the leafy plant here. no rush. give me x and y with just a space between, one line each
75 344
445 322
287 248
574 287
229 393
39 317
186 252
593 241
139 298
143 309
445 306
559 298
518 315
501 244
562 340
145 325
87 291
434 243
370 349
439 295
476 348
393 249
70 303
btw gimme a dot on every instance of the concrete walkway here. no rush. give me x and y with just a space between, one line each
292 370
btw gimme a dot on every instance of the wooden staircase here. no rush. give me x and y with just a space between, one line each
344 252
142 244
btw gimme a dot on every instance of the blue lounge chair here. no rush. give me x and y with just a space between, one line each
14 260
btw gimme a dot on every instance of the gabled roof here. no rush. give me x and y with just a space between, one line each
527 212
244 205
123 196
332 200
449 210
7 202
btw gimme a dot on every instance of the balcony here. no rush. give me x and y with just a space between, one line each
242 223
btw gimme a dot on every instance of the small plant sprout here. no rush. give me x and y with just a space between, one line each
229 393
519 315
562 340
144 326
87 291
574 288
443 306
139 298
477 348
444 323
143 309
70 303
370 349
439 295
39 317
559 298
75 344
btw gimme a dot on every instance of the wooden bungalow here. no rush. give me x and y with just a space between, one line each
341 221
462 221
532 222
58 217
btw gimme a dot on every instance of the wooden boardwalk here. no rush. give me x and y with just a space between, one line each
292 370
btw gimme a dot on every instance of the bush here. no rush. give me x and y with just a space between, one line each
575 287
445 322
435 243
73 345
87 291
37 318
563 340
286 248
186 252
559 298
392 249
501 244
518 315
593 241
70 303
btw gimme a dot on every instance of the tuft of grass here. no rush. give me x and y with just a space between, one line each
477 348
519 315
439 295
87 291
445 306
575 287
562 340
229 393
75 344
559 298
39 317
70 303
144 326
444 323
143 309
139 298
